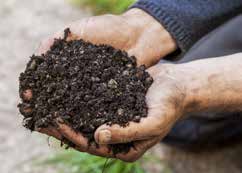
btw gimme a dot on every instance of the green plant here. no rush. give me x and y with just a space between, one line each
105 6
76 162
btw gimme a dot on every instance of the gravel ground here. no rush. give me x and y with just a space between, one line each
24 23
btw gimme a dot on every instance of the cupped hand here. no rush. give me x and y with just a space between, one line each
135 31
166 99
141 36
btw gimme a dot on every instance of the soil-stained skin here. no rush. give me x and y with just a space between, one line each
86 85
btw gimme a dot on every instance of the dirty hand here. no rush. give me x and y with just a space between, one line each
178 91
134 31
165 100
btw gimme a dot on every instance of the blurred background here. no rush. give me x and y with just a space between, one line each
23 24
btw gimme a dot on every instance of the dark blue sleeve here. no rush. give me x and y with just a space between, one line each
189 20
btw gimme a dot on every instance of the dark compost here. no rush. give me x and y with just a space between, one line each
86 85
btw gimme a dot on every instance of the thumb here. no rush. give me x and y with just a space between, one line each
147 128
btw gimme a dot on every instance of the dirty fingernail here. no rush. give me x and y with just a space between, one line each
27 94
104 136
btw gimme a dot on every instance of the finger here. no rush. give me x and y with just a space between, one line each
141 60
25 109
51 131
75 137
76 29
27 95
48 42
140 147
45 45
134 154
81 142
147 128
103 150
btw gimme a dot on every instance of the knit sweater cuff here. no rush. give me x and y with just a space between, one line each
175 28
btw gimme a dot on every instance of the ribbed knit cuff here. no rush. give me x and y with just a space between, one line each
174 27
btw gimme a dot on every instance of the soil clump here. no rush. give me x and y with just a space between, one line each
86 85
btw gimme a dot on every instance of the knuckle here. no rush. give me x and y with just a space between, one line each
132 158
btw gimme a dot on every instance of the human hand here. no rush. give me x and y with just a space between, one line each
126 32
202 85
165 100
208 85
135 32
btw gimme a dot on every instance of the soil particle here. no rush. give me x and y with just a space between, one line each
86 85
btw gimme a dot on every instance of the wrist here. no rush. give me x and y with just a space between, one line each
212 84
194 77
151 32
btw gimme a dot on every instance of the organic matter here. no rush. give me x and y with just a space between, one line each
86 85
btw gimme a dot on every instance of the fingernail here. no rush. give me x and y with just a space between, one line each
104 136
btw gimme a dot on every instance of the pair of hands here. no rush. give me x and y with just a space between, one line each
142 36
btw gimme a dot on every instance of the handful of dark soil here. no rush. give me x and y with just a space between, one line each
86 85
